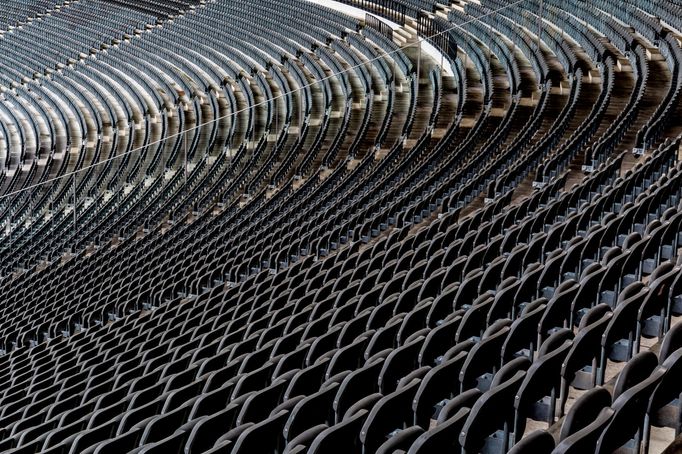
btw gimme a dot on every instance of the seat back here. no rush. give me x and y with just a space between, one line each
342 438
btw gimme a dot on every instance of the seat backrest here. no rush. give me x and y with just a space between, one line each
509 369
584 411
398 363
504 296
208 429
559 307
474 319
556 340
92 436
656 299
359 383
443 437
165 424
121 443
169 445
623 323
259 404
523 331
587 343
482 358
311 410
307 380
491 412
467 399
265 436
585 439
671 342
438 384
542 376
668 389
350 356
212 401
341 438
628 413
635 371
400 441
538 442
393 411
438 341
305 438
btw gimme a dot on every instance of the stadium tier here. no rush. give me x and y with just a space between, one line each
354 226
